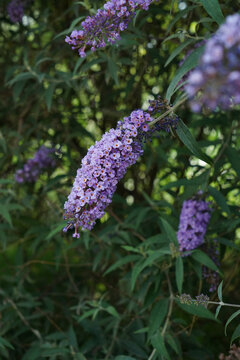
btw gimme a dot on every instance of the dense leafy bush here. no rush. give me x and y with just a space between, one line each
122 290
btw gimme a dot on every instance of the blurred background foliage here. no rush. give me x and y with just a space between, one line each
109 294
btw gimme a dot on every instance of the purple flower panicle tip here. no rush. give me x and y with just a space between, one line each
194 218
15 10
216 81
42 160
105 26
104 165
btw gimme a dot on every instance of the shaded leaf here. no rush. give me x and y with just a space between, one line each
230 319
204 259
213 9
190 62
220 199
179 273
158 313
158 343
235 334
189 141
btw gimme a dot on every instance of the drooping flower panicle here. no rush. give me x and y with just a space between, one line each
216 81
42 160
104 165
15 10
106 25
194 218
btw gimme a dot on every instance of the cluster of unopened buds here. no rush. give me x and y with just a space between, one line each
199 299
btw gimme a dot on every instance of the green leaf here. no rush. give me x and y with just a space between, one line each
54 352
190 62
228 243
170 232
217 311
20 77
124 357
158 313
57 228
179 273
173 343
72 338
158 343
112 311
113 70
71 27
212 7
230 319
4 343
78 64
138 268
5 214
234 158
197 310
178 50
220 199
179 15
186 137
235 334
49 95
204 259
220 291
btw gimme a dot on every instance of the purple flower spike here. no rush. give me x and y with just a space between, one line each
42 160
15 10
104 165
216 81
106 25
194 218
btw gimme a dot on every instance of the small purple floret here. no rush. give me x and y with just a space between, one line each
194 218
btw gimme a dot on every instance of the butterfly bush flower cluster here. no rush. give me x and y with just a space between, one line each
212 277
15 10
106 25
194 218
216 81
104 165
42 160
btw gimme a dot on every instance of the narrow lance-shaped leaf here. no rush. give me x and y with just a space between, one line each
220 199
235 334
213 9
230 319
191 61
186 137
179 273
219 290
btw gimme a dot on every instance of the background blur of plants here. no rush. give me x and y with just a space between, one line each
108 293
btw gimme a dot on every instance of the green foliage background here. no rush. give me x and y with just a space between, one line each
112 293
